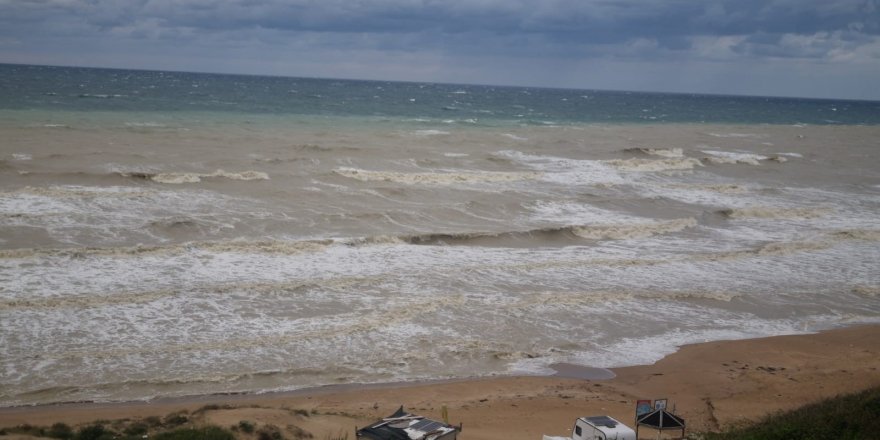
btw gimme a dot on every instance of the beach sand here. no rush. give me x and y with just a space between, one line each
711 385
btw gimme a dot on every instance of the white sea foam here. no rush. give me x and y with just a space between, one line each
662 152
569 299
323 278
271 322
98 95
440 178
144 124
737 135
96 216
430 133
22 156
262 247
567 212
514 137
728 157
654 165
567 171
649 349
181 178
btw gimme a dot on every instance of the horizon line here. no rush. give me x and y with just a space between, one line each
267 75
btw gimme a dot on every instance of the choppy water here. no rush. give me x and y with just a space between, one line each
171 234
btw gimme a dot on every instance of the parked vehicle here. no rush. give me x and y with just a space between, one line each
598 428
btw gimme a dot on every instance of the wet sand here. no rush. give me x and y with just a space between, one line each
711 385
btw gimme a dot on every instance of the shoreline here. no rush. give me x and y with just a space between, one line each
710 384
563 371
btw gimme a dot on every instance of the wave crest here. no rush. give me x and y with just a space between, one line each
784 248
770 212
269 247
723 188
731 158
182 178
672 164
869 291
858 234
447 178
624 231
662 152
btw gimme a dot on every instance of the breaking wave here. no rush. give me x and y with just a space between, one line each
763 250
624 231
784 248
269 247
436 178
726 157
768 212
185 225
181 178
295 286
662 152
430 133
869 291
737 135
672 164
857 234
722 188
589 232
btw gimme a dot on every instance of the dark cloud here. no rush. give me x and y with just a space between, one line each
671 31
604 20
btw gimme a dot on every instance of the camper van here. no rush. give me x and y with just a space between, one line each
598 428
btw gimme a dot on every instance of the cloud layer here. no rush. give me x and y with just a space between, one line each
573 43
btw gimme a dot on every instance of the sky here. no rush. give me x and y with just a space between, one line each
806 48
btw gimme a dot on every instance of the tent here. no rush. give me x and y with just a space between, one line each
405 426
661 420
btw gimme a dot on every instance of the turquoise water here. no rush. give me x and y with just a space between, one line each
86 89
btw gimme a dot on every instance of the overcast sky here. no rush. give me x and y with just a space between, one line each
815 48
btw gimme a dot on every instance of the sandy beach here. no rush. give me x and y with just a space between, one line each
711 385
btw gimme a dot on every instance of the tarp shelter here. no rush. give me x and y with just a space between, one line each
661 420
405 426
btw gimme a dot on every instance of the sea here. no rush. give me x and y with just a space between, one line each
167 234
